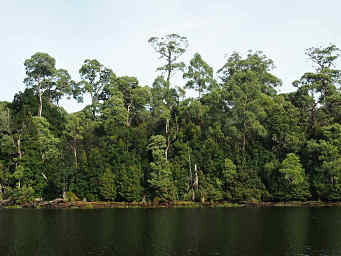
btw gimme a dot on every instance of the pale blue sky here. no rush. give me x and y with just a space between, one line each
116 33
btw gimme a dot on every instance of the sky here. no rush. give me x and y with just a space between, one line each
116 34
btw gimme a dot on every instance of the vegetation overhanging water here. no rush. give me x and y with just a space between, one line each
237 140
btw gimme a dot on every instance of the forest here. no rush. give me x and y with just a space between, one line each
232 137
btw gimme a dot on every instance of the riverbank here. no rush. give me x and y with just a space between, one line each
63 204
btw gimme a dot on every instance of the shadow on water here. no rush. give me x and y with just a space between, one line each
158 232
18 248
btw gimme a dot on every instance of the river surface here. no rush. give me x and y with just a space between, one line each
157 232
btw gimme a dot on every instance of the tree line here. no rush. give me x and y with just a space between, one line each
237 139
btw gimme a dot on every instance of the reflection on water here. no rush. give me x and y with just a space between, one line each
156 232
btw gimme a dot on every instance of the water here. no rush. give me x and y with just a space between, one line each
157 232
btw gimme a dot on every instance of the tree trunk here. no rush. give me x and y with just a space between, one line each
167 148
190 167
19 147
93 106
8 120
168 139
196 179
128 118
74 150
244 142
169 66
313 113
44 176
199 89
40 107
19 155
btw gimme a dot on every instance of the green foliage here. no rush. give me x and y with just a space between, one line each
161 178
211 190
247 186
289 182
47 82
199 74
21 195
326 167
95 78
239 141
230 178
170 48
107 185
247 88
129 184
292 170
71 197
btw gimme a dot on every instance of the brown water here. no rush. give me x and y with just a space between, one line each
231 231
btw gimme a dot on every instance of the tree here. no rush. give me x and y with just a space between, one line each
4 178
95 77
229 173
294 183
113 110
129 183
292 170
43 156
7 147
74 133
247 88
170 48
47 82
324 158
161 176
318 90
107 185
128 94
199 75
238 141
285 133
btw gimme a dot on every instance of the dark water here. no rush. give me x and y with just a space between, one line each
149 232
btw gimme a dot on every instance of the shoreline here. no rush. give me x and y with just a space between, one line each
62 204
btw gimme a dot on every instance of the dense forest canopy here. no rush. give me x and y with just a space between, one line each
237 139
